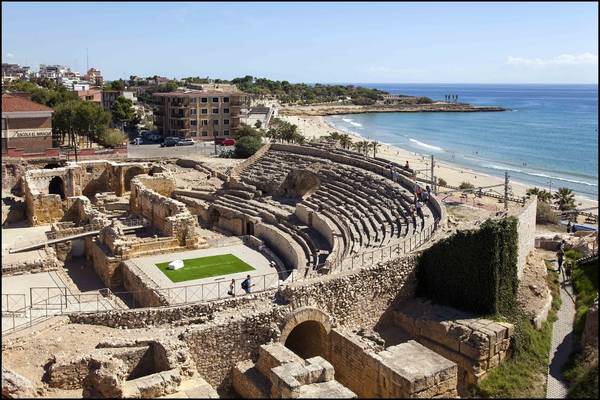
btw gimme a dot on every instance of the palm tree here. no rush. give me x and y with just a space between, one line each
542 195
358 146
374 145
564 198
345 141
334 135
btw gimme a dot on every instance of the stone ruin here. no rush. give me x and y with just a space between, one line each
335 332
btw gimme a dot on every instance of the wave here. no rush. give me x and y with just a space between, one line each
558 178
356 124
425 145
346 120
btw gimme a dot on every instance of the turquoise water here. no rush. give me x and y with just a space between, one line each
550 136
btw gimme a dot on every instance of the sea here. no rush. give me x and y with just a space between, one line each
548 139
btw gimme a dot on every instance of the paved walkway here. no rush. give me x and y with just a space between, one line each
562 343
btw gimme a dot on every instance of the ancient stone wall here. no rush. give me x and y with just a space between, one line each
526 232
237 170
107 267
169 216
142 287
286 248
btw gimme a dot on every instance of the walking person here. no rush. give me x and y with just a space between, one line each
420 213
406 165
231 291
560 256
247 285
392 173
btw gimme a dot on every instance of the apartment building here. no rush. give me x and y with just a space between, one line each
14 72
110 96
92 95
200 114
94 77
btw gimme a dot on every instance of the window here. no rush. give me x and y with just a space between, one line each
225 122
205 111
3 124
215 99
225 99
226 111
204 133
215 122
215 110
205 99
204 122
194 122
226 133
194 100
193 111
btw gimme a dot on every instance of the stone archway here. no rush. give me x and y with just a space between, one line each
131 172
51 166
305 332
57 186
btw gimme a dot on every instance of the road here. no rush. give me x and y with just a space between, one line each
155 151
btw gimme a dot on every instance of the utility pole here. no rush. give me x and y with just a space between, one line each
506 190
432 175
87 60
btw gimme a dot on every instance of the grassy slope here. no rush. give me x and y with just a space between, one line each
582 368
204 267
524 374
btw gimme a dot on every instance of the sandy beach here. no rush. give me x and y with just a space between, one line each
316 126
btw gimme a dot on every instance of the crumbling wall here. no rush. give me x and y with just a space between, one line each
526 232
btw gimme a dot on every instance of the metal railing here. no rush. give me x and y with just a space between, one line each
47 302
13 302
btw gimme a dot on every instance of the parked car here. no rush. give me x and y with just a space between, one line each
169 142
186 142
219 141
152 137
229 142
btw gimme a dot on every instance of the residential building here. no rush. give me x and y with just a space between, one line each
94 77
202 114
110 96
26 125
14 72
93 95
52 71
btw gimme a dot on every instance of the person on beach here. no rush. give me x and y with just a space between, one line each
247 285
231 291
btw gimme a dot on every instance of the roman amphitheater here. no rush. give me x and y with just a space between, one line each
332 249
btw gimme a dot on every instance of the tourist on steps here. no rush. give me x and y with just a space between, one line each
231 291
420 213
406 165
247 285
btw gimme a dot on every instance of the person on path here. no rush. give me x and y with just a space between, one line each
231 291
406 165
247 285
560 255
418 192
392 173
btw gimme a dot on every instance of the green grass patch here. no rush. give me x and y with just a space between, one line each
205 267
524 374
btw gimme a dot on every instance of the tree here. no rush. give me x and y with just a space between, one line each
564 198
374 145
247 130
542 195
112 138
247 146
345 141
63 121
441 182
90 120
117 85
465 185
122 111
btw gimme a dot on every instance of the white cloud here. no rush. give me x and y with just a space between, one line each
10 55
563 59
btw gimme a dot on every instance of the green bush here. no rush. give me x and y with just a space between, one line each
247 146
545 214
466 185
474 270
111 138
583 375
442 182
424 100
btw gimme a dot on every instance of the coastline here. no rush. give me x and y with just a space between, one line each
338 109
453 174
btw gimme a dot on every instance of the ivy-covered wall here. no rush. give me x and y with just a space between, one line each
473 270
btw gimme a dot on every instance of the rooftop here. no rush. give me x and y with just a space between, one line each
195 93
18 103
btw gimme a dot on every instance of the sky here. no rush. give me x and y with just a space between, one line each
355 42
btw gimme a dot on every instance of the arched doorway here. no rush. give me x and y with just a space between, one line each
308 339
131 172
52 166
57 186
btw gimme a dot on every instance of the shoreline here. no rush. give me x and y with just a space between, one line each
337 109
453 174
